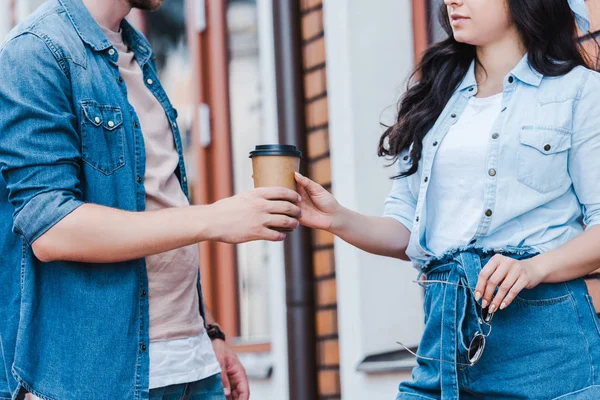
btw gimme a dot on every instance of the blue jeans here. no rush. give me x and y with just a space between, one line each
545 345
206 389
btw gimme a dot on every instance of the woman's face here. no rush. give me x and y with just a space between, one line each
478 22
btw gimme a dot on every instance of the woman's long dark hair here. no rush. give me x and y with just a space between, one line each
548 31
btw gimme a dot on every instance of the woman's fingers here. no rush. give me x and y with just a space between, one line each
485 274
311 187
499 301
514 291
493 282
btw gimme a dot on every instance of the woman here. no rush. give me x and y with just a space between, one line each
498 153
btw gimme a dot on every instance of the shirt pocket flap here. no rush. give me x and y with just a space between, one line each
92 113
112 117
545 140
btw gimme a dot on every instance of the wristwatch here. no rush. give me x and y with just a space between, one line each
214 332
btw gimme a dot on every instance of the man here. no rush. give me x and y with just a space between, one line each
98 259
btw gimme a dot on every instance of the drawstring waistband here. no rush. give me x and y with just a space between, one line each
460 271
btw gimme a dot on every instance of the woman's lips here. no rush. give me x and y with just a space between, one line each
457 19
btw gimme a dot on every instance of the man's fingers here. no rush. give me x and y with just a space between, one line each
226 385
278 193
241 387
272 235
285 208
282 222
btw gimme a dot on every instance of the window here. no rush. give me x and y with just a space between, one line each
247 130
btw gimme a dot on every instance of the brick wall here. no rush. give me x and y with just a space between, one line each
317 116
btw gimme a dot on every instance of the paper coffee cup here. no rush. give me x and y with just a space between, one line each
275 165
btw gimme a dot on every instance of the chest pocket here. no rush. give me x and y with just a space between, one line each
543 156
102 137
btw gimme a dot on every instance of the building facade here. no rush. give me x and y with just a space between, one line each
218 63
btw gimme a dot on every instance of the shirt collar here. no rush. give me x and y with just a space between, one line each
90 32
85 25
523 71
526 73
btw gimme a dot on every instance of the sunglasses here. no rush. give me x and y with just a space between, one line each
477 344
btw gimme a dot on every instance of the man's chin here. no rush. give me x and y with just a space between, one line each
146 5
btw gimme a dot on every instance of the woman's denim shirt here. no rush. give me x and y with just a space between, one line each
542 178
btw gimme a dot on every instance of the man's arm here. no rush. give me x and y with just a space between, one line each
99 234
40 159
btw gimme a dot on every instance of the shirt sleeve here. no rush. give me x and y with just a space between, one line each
39 144
401 204
584 155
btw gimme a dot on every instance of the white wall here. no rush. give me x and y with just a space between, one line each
4 18
369 57
277 386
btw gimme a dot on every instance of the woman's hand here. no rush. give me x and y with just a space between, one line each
318 206
510 276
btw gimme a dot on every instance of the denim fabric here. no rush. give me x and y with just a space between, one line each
68 136
543 149
545 345
206 389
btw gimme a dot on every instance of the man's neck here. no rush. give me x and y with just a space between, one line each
108 13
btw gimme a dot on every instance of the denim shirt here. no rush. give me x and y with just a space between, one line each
69 136
543 164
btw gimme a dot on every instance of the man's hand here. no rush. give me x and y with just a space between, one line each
256 215
233 373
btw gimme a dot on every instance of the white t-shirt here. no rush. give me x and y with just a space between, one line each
455 200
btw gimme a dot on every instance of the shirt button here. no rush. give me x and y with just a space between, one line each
426 179
120 79
111 52
473 241
111 124
547 147
435 143
511 79
492 172
417 219
97 120
495 135
135 124
488 213
174 124
139 179
143 293
143 347
149 81
453 115
185 179
405 158
471 89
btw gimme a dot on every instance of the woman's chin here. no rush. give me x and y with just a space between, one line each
463 36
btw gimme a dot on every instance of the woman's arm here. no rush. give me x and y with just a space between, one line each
378 235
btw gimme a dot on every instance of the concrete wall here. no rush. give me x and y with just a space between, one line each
369 52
